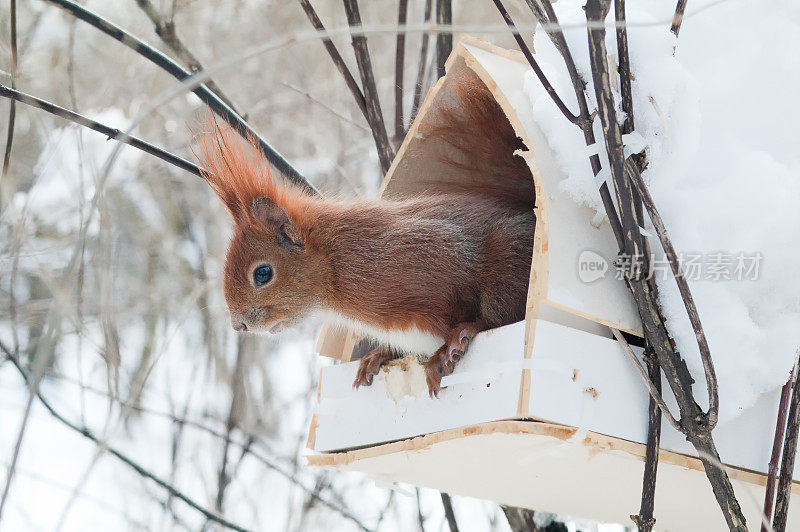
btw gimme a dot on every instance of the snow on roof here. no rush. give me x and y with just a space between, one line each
716 110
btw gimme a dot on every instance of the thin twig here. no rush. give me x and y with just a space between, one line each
677 18
654 392
444 40
219 107
624 66
364 62
165 29
632 239
645 520
324 105
628 125
789 454
263 459
88 434
12 467
179 420
385 509
520 519
693 420
421 66
12 110
683 287
447 502
234 414
777 445
111 133
551 91
548 20
420 518
336 57
400 52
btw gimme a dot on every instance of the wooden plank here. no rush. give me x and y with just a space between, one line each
331 341
484 387
550 467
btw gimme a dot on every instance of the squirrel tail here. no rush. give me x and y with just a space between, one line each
478 140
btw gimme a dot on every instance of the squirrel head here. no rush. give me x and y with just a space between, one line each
274 272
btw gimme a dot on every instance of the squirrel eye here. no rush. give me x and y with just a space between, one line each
262 275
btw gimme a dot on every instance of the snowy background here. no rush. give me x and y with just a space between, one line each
110 272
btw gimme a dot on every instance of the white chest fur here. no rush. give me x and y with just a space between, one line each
408 341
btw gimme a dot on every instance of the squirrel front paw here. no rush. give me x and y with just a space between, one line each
434 371
443 361
457 342
370 364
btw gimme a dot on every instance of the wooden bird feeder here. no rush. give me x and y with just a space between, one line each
547 413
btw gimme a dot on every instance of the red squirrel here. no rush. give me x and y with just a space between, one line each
420 275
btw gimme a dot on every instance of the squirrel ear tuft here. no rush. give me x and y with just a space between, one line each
275 219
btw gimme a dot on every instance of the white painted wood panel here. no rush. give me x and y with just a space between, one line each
484 387
561 471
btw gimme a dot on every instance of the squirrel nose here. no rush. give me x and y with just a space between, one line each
242 327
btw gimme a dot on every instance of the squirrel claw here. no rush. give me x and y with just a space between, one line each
434 370
443 362
434 385
460 339
449 361
362 379
369 365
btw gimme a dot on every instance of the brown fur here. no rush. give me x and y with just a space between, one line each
429 262
483 144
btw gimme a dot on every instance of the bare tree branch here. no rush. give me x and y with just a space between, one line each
686 295
677 19
110 132
520 519
624 66
421 66
693 421
644 519
444 41
374 112
789 454
420 518
549 21
655 392
165 28
551 91
336 57
399 126
12 110
642 196
12 467
382 515
219 107
777 445
234 415
447 502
